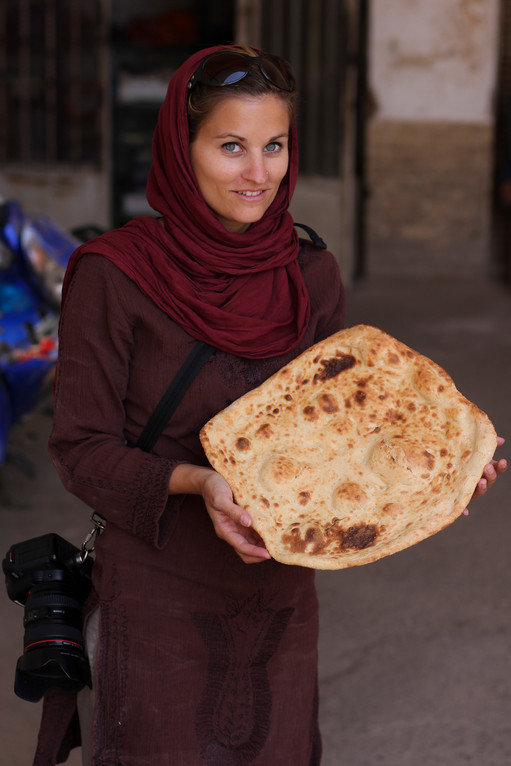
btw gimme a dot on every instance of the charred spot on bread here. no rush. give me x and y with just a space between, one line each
333 367
265 431
328 404
359 536
430 460
331 538
360 397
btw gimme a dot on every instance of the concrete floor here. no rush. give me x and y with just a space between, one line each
415 650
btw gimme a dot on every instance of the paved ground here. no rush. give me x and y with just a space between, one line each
415 650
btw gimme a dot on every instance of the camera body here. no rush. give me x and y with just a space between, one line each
51 579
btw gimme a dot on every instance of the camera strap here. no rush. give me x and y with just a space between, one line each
172 397
161 415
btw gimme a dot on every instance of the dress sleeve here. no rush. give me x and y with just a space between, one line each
87 445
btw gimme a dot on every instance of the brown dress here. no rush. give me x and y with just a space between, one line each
201 659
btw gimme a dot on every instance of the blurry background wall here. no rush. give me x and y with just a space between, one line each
430 136
54 84
398 123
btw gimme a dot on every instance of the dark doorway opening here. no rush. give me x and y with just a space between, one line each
147 46
501 261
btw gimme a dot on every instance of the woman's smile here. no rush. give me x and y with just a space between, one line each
252 196
240 156
252 193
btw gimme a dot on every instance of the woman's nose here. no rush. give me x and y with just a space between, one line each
255 169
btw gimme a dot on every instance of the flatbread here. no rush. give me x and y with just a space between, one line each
356 449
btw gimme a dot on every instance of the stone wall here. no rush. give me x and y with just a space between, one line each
429 203
69 196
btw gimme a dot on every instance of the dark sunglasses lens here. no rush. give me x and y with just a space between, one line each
224 69
276 72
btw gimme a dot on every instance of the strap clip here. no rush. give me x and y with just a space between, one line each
88 543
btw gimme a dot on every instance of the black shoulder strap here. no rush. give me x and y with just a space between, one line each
170 400
314 236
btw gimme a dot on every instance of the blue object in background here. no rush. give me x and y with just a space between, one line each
33 256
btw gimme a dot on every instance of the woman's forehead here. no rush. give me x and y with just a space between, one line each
244 110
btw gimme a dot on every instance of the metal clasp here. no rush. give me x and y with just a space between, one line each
88 543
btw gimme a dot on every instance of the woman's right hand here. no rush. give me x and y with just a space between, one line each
231 522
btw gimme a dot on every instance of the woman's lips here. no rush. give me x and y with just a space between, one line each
251 195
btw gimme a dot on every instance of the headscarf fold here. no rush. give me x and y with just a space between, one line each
240 292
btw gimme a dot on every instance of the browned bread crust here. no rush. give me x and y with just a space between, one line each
356 449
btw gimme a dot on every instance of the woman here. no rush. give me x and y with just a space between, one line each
198 658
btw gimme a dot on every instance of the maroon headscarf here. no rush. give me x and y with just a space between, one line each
241 292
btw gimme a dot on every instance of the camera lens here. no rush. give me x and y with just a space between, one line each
51 578
53 653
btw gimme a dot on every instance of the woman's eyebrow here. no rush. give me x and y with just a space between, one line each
241 138
231 135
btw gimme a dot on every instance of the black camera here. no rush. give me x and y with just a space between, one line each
52 579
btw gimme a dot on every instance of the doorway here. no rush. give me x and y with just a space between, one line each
502 152
146 48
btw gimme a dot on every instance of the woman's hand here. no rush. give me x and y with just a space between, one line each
490 474
231 523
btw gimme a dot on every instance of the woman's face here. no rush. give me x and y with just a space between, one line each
240 156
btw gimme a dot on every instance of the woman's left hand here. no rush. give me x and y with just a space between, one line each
232 523
490 474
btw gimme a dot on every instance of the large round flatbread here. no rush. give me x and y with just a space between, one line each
356 449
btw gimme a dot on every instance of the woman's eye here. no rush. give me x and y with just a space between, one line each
273 147
231 146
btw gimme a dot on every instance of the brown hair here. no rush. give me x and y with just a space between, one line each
203 98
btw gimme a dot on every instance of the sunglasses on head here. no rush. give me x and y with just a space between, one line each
230 67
